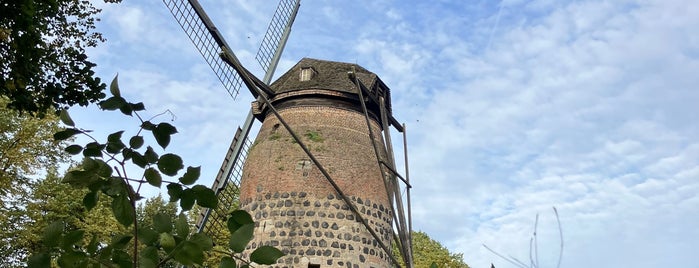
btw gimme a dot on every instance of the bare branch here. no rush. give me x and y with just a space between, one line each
505 258
560 232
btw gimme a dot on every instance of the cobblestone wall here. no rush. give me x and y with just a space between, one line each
295 207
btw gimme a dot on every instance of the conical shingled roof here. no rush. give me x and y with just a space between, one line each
329 75
329 85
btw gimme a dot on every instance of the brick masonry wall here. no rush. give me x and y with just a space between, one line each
295 207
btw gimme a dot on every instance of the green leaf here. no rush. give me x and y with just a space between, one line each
127 154
74 149
205 196
138 159
65 134
52 234
120 241
115 187
103 169
72 238
162 223
92 246
434 265
167 241
170 164
147 125
114 87
90 199
203 240
174 190
189 254
241 237
187 199
266 255
40 260
115 137
149 257
136 142
237 219
93 149
162 133
112 103
122 258
191 176
126 108
182 226
123 212
115 147
137 106
65 118
151 156
80 178
153 177
147 236
227 262
114 143
71 258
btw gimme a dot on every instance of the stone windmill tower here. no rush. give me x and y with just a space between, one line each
295 204
320 178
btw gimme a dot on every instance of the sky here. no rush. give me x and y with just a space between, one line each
512 108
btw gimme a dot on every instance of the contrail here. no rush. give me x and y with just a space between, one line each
492 30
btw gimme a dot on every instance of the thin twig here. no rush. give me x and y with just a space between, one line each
531 247
165 112
536 242
504 258
560 232
518 261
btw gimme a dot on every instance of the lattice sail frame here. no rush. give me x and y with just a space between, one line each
209 42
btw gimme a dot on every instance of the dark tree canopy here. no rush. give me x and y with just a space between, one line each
42 54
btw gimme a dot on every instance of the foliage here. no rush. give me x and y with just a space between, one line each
52 201
26 147
26 150
104 174
42 47
429 253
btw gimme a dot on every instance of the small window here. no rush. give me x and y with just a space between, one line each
306 74
313 265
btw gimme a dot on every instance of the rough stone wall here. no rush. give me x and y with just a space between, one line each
295 207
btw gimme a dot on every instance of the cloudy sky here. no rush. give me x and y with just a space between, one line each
512 108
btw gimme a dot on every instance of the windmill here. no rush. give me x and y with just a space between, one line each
333 196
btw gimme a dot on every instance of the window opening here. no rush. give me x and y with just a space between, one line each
306 74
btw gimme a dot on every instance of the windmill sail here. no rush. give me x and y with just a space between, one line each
208 40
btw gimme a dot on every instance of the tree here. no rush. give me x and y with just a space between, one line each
427 251
27 149
42 50
50 201
153 206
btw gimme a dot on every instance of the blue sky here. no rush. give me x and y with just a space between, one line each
512 107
